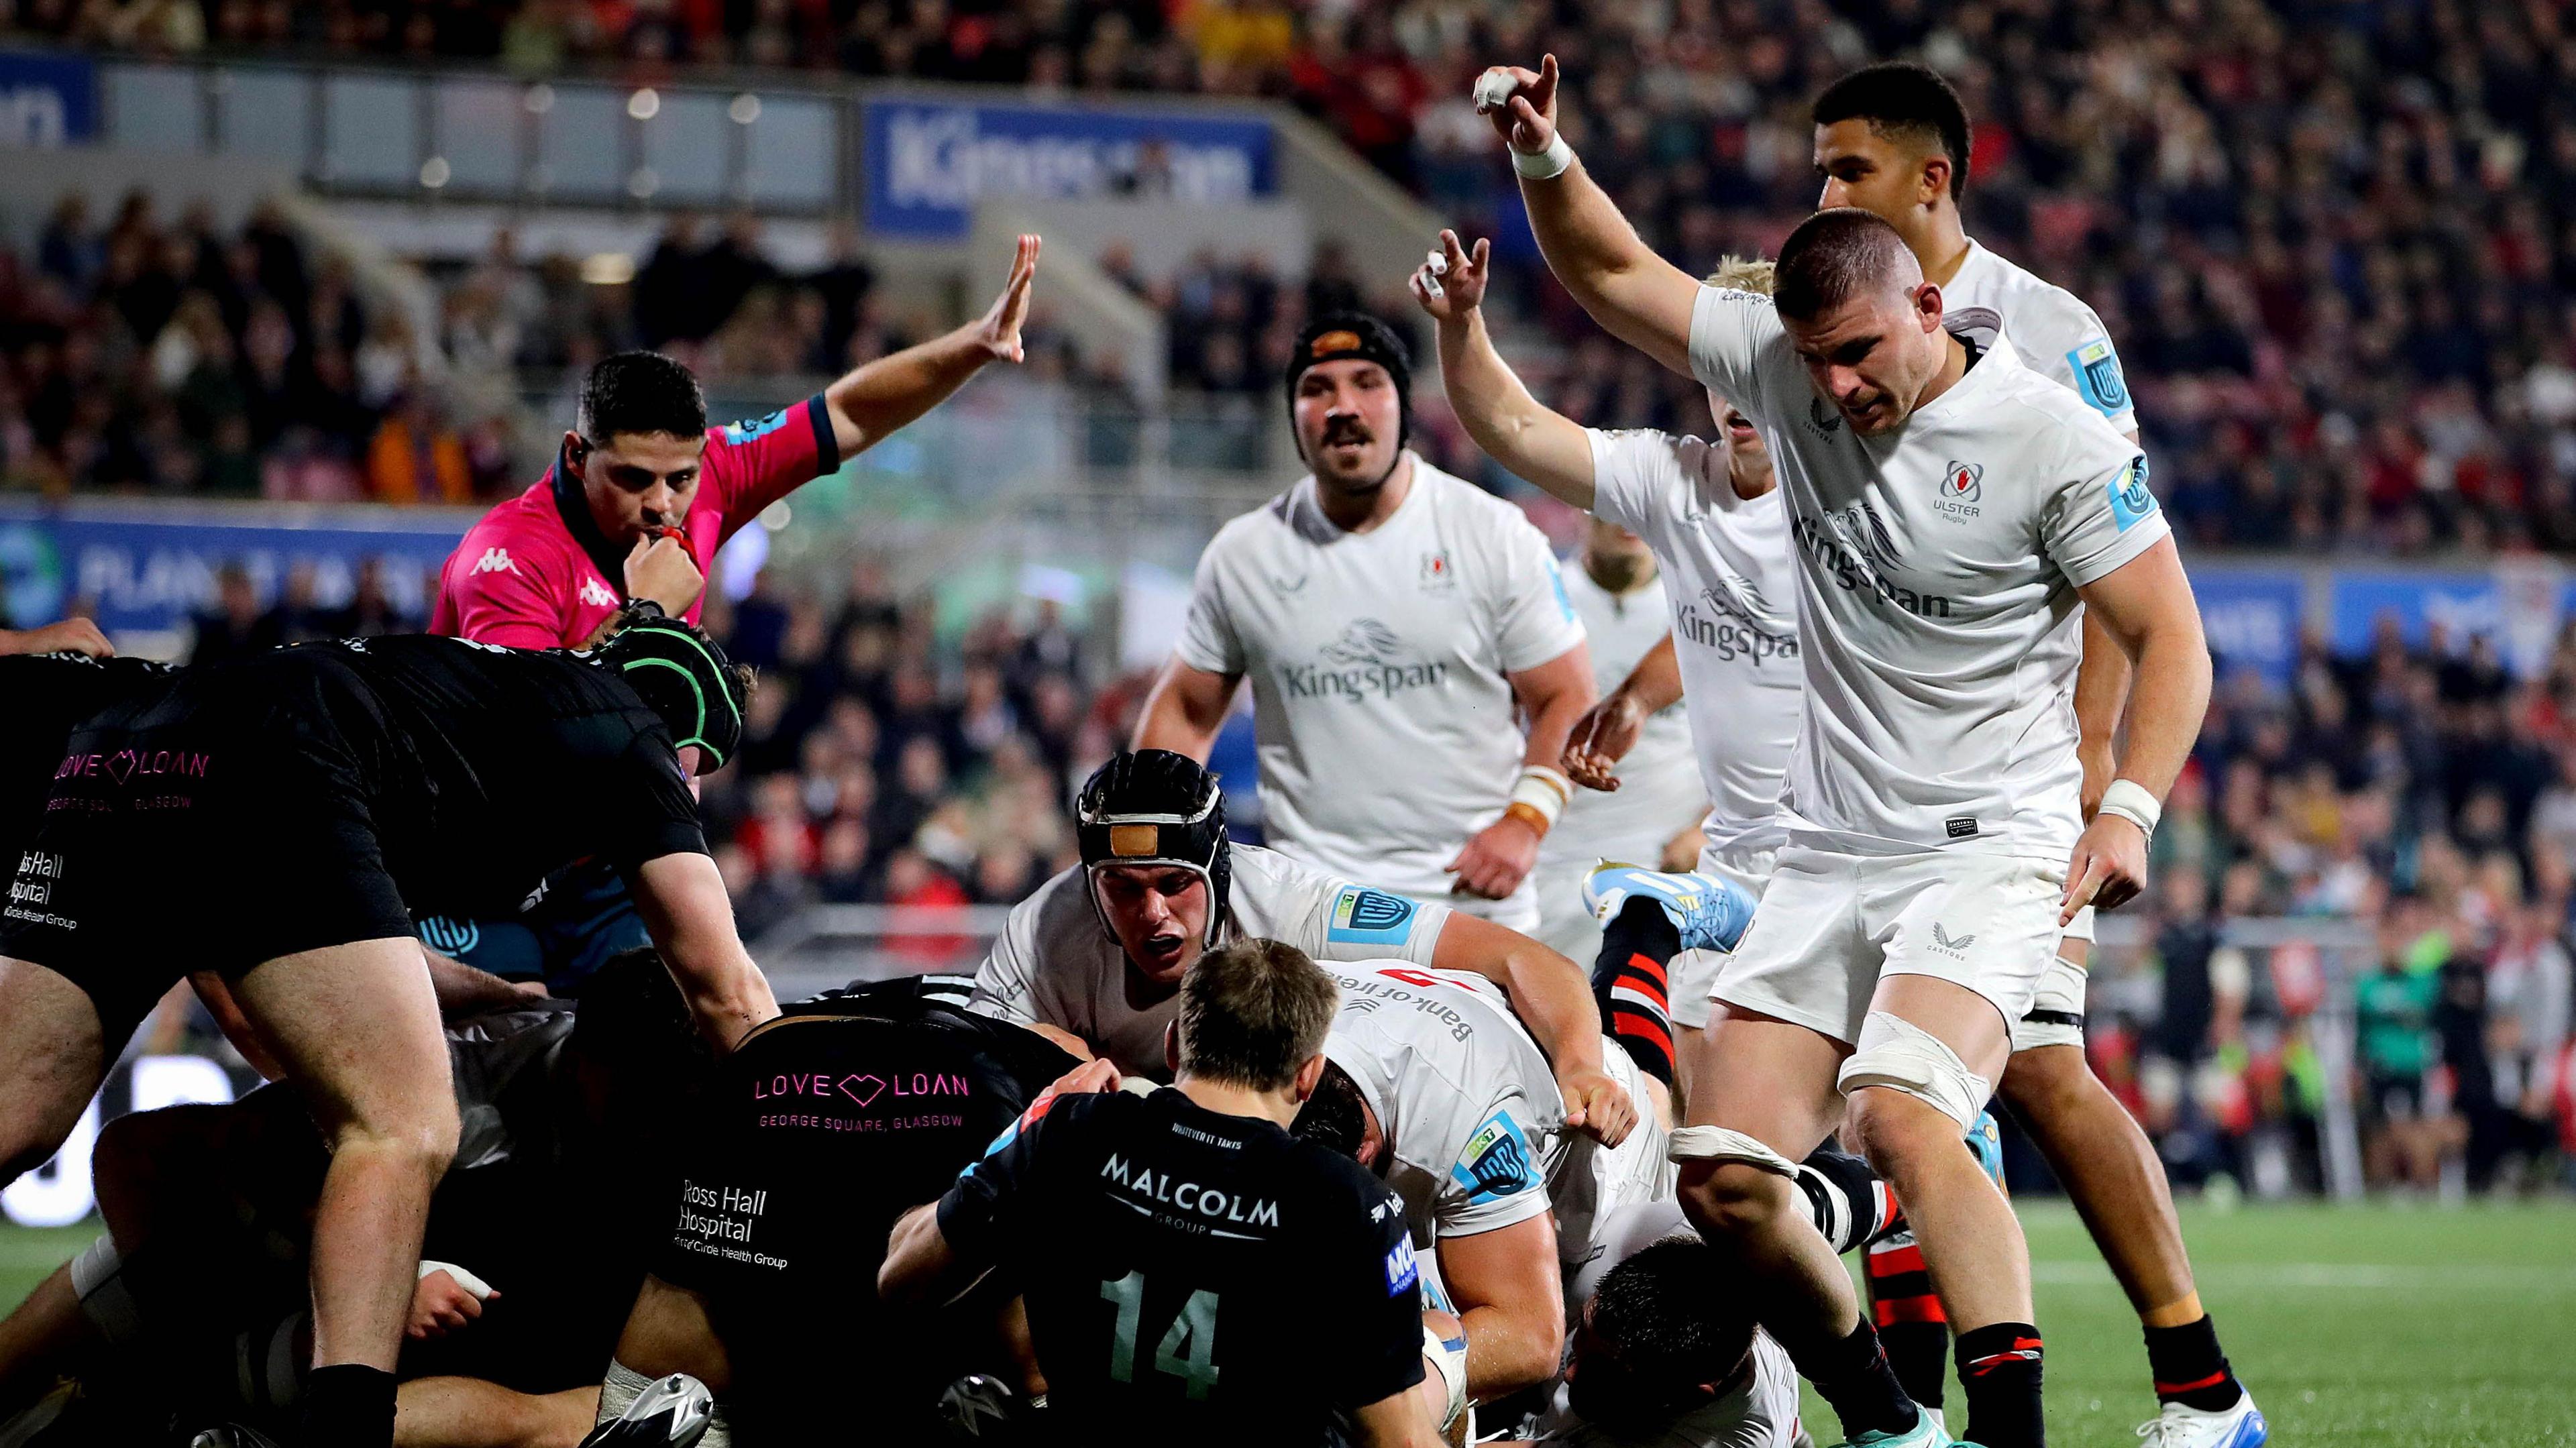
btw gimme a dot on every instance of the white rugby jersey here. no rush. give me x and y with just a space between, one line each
1465 1099
1936 616
2048 327
1055 963
1659 793
1378 663
1733 583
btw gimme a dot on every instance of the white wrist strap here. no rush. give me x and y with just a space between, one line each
481 1289
1543 789
1544 164
2130 801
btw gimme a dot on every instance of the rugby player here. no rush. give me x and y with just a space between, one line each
1390 616
1435 1087
275 820
1618 591
1893 139
824 1127
1182 1255
201 1271
1101 949
1663 1353
1935 784
641 495
1713 518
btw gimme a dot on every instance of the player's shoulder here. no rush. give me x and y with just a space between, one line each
527 526
2068 428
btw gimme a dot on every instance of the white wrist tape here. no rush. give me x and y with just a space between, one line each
1543 789
2130 801
1449 1356
1545 164
481 1289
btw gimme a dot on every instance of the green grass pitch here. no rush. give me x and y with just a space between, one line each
2355 1326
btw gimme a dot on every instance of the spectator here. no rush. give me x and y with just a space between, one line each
2395 1049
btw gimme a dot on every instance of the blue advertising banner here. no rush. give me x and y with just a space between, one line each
46 100
927 163
148 568
2461 604
2252 618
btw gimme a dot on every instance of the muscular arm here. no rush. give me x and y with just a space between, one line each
1186 710
2101 689
1636 296
2146 608
1399 1421
1552 696
918 1260
1609 729
1505 1285
461 987
684 904
1534 442
1551 996
891 391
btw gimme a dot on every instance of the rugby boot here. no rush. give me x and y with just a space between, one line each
671 1412
1709 913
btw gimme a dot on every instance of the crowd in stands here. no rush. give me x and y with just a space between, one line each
2329 239
166 355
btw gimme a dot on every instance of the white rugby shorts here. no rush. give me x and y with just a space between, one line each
1832 924
1597 1183
1689 975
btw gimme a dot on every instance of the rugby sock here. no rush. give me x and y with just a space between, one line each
1911 1324
2190 1369
1629 982
1999 1371
1852 1375
1851 1204
348 1405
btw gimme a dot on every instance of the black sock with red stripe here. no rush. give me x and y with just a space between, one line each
1911 1325
1851 1374
1999 1371
2190 1369
1628 980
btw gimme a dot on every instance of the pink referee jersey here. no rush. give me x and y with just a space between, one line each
536 573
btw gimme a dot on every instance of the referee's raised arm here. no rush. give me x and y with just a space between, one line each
1640 298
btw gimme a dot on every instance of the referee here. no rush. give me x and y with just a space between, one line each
1182 1257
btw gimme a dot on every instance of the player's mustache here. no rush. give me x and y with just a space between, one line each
1345 429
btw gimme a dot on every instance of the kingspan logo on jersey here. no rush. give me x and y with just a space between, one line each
1854 548
1363 662
1731 633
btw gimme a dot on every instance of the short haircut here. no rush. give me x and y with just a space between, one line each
641 392
1902 99
1835 256
1667 1321
1253 1012
1336 1116
1741 274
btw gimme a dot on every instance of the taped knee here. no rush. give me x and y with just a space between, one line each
1900 1056
1716 1143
